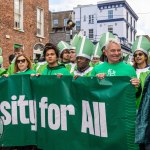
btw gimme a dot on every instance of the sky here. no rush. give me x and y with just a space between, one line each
141 8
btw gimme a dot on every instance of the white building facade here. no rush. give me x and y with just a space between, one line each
115 16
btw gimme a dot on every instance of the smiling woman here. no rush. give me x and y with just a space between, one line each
23 65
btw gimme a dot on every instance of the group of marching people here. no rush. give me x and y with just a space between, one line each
83 58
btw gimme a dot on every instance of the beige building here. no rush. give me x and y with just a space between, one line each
59 30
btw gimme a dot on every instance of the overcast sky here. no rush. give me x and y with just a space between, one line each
141 8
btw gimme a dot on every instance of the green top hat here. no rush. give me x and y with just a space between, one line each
105 37
62 46
142 44
97 51
84 47
0 51
1 60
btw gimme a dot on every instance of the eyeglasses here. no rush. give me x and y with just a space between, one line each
139 54
20 61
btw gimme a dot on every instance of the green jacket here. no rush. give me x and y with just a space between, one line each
60 69
143 77
2 71
10 70
28 71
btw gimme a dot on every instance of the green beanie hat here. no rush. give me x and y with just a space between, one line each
105 37
1 60
84 47
97 51
62 46
142 44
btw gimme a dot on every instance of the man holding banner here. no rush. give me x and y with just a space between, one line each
115 67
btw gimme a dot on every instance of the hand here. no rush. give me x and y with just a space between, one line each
76 76
59 75
101 75
32 75
135 82
5 75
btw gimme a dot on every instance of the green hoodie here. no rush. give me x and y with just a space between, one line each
60 69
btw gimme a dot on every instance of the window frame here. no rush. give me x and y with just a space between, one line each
110 14
91 34
18 15
40 22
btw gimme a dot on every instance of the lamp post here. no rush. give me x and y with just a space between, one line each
70 25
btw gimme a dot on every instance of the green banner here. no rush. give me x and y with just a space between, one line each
63 113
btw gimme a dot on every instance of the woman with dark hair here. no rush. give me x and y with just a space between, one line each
51 55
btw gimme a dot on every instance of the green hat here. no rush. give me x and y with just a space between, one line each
84 47
80 34
105 37
1 60
74 41
62 46
142 44
97 51
0 51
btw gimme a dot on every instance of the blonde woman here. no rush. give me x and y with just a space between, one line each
23 65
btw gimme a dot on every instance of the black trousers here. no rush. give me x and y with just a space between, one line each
144 146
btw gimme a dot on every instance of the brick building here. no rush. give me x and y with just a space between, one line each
23 23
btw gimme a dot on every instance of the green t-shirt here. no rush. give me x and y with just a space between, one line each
119 69
60 69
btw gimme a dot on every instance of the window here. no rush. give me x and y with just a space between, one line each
110 14
110 28
40 22
55 22
127 16
91 34
18 14
65 22
131 20
91 19
134 35
78 25
131 35
84 19
127 31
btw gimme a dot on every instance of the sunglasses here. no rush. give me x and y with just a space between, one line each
139 54
20 61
